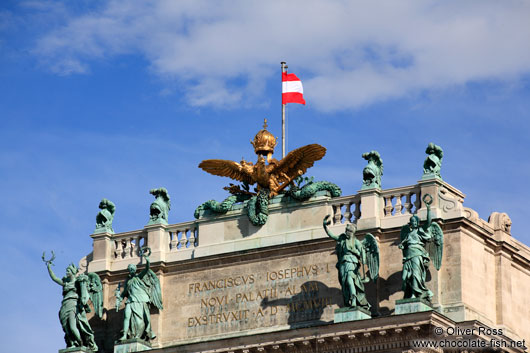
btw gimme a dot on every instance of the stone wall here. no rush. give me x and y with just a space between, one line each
222 277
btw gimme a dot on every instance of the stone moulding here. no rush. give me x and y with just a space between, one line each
387 334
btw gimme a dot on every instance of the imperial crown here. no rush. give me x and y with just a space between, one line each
264 142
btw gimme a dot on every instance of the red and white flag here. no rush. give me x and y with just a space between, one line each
292 90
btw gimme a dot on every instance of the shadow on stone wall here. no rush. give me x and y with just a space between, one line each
306 307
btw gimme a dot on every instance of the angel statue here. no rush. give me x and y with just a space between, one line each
352 257
433 162
77 291
141 290
419 244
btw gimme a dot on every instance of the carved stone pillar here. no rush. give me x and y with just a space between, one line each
102 251
371 209
158 240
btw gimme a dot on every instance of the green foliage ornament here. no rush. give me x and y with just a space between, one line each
304 192
258 208
258 203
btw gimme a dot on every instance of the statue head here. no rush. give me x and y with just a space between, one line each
350 230
132 269
414 222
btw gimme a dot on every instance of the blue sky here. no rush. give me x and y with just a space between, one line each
114 98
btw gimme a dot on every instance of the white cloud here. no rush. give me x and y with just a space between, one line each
351 53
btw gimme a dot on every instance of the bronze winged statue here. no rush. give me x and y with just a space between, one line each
268 173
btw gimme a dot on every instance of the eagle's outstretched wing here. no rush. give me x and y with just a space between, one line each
297 162
229 169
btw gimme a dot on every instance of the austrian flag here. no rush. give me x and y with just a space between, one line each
292 90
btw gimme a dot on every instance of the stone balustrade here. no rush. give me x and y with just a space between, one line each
403 200
289 222
346 209
183 236
127 245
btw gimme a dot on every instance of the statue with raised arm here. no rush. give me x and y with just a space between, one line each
77 291
433 162
105 217
141 290
159 209
373 171
420 244
352 257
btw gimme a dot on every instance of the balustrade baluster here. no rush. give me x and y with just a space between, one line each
348 214
408 204
388 206
398 207
126 248
357 212
184 239
191 239
173 241
338 214
417 202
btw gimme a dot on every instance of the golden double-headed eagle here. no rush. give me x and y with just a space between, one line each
267 173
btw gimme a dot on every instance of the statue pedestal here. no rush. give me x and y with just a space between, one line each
131 345
76 350
350 314
412 305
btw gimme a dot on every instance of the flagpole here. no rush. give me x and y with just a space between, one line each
284 69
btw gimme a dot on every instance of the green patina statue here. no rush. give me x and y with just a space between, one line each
433 162
159 209
301 189
419 244
77 291
141 290
352 257
373 171
105 217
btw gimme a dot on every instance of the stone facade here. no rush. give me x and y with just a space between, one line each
230 286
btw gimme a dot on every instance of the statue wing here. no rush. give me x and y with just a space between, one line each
297 162
95 290
436 245
153 284
229 169
372 255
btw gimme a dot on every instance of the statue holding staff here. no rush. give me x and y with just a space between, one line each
141 291
77 290
419 244
352 256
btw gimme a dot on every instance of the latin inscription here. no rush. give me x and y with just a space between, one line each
281 296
